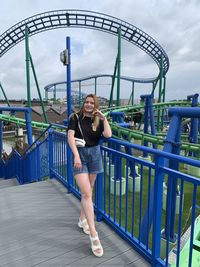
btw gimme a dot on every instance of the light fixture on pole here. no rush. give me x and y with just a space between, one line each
64 57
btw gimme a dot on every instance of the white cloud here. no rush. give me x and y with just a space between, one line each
173 24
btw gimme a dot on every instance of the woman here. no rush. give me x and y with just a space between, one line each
88 124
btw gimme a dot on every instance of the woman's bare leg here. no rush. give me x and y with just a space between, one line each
86 183
86 200
92 178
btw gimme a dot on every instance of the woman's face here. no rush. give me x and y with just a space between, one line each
89 105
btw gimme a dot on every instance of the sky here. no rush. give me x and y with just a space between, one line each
174 24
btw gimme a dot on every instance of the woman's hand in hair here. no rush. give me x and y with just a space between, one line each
98 113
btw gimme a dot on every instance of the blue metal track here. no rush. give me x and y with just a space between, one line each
51 87
84 19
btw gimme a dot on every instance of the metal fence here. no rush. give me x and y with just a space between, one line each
134 194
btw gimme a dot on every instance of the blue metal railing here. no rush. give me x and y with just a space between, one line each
120 204
29 167
33 164
123 198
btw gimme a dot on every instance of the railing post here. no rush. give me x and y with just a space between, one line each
30 168
23 170
29 126
68 76
38 162
99 193
69 169
157 215
21 173
51 153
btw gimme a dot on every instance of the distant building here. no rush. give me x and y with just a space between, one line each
55 113
124 102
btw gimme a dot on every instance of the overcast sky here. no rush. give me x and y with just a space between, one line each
174 24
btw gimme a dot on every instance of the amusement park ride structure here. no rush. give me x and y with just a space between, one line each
173 142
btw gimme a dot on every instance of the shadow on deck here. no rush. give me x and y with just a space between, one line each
38 227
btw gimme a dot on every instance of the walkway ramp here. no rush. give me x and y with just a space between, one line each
38 227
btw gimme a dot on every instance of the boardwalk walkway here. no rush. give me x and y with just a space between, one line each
38 227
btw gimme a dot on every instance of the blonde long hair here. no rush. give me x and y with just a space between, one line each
95 118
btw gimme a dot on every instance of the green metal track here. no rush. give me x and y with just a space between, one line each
121 132
159 140
19 121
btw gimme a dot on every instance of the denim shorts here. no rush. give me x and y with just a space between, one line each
91 160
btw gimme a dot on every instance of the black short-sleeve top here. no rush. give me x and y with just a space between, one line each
90 136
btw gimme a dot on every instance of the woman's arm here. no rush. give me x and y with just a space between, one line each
72 144
107 132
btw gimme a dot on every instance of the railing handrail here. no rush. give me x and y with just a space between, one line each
36 140
61 159
155 177
43 132
156 152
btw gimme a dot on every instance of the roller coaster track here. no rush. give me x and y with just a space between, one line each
84 19
120 131
51 87
19 121
81 19
158 140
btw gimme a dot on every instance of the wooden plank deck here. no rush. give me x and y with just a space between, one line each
38 227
